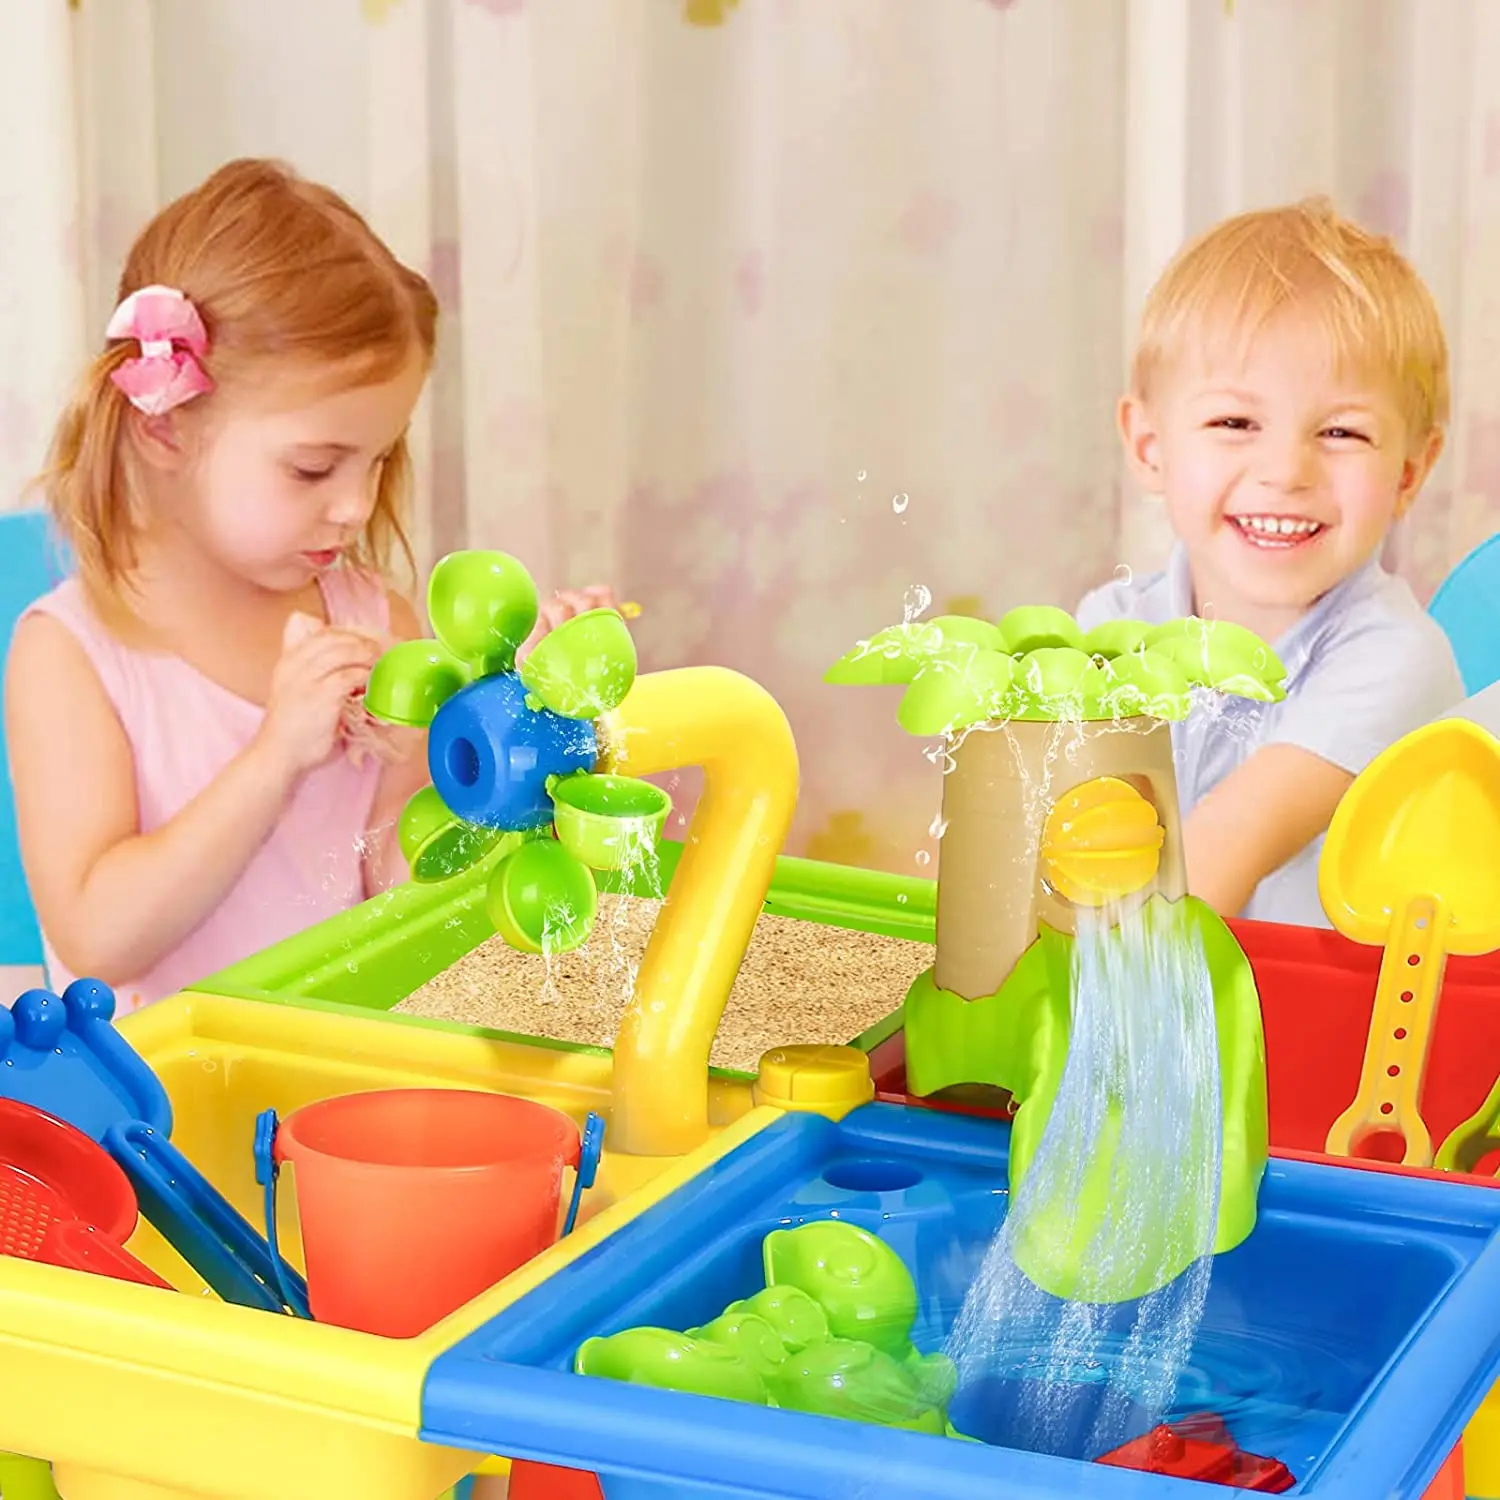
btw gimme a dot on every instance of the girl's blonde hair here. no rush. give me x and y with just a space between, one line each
1376 310
280 270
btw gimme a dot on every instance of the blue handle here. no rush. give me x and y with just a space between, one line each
199 1222
589 1151
292 1287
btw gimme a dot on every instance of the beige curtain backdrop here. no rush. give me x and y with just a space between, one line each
774 314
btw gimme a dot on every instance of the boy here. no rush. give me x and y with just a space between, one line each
1287 400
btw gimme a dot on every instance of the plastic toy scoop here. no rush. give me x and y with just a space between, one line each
63 1200
1410 860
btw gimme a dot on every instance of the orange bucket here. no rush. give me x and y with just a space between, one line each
413 1201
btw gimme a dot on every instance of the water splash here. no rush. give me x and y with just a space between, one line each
1079 1378
916 603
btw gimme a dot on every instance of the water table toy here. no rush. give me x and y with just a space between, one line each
1410 861
1059 794
1345 1341
345 1406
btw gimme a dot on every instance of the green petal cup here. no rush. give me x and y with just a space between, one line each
584 668
411 682
482 606
608 822
438 845
541 899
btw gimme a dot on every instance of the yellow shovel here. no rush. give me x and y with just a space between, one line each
1412 860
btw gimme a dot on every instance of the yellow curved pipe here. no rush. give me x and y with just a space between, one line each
735 730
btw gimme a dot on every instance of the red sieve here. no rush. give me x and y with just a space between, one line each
63 1200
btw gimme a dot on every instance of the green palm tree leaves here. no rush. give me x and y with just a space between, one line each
1037 664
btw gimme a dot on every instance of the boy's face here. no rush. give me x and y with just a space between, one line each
1281 472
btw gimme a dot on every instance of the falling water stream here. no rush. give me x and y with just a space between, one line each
1079 1378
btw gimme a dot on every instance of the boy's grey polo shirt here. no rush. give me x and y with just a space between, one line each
1483 708
1365 666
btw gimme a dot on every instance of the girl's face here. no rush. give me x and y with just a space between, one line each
284 479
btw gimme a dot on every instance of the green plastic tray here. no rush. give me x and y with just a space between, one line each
375 955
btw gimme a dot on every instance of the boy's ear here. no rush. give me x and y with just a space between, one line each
158 439
1142 443
1417 467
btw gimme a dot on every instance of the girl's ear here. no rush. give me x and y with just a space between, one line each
158 439
1142 443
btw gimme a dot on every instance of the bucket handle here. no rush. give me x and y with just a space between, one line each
268 1171
590 1148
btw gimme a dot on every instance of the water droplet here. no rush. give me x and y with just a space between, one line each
900 502
900 898
1123 574
938 827
923 857
916 602
861 476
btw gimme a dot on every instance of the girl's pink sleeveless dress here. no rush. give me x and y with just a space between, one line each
184 729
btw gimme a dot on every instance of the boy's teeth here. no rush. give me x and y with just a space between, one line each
1278 525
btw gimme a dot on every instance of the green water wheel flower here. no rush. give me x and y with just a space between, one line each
482 606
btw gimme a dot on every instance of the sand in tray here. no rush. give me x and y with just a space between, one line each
800 982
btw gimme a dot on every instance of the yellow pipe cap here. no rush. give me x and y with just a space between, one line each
817 1080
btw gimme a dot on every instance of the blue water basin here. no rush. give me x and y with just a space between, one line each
1351 1337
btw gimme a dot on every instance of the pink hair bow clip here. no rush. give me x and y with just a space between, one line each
173 340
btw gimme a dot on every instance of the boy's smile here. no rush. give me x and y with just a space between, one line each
1282 468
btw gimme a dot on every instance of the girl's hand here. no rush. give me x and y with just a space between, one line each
320 668
563 606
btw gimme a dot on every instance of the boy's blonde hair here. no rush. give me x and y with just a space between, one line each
282 271
1378 313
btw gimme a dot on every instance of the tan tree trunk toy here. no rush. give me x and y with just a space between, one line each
1061 796
1412 861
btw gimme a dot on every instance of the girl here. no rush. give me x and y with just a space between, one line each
192 771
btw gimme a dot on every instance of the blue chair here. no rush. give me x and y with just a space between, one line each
31 563
1467 606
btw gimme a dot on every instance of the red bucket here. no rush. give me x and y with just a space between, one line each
413 1201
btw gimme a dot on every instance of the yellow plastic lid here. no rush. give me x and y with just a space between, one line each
822 1080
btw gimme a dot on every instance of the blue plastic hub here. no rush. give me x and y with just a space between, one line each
490 755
